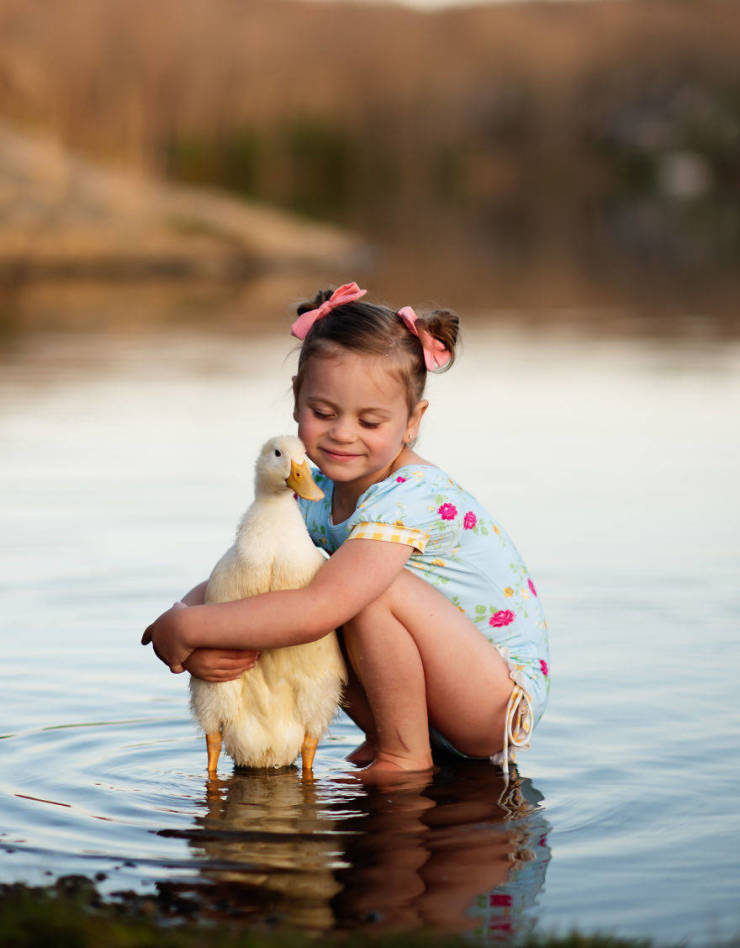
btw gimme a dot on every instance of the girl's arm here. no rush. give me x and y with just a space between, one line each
357 574
215 664
197 595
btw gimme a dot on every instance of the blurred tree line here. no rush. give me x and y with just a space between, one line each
528 119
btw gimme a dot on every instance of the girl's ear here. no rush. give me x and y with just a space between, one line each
412 425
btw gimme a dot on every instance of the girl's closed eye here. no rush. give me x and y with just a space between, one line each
369 424
321 414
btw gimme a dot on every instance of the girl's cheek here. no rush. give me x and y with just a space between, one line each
305 429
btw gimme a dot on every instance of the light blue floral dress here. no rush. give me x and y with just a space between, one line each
458 548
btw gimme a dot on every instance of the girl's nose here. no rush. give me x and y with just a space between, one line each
342 430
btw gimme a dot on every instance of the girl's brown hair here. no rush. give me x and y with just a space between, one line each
379 331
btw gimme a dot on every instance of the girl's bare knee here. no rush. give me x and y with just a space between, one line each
368 617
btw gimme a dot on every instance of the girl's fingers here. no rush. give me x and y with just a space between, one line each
220 665
238 655
237 660
246 659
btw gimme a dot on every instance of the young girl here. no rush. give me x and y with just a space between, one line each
440 621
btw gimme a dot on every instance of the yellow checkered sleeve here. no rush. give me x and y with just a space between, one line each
393 533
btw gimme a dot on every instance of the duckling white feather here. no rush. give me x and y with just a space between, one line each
291 692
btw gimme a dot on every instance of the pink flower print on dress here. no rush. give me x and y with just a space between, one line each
501 618
447 511
400 480
543 666
531 587
500 898
470 520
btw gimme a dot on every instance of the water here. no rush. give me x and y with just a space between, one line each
612 460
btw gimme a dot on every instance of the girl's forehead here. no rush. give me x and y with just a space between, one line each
353 375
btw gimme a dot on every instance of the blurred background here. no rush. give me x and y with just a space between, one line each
569 156
174 176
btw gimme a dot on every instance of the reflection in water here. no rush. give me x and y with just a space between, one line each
467 852
267 848
463 852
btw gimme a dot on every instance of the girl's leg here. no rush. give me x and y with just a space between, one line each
420 661
356 706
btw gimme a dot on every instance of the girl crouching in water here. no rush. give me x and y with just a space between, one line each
441 624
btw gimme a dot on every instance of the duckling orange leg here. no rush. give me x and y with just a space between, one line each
308 752
213 746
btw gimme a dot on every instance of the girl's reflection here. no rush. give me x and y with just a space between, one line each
462 851
465 853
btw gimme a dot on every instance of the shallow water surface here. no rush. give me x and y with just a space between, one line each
614 464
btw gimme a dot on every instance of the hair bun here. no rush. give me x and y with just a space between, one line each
444 325
321 297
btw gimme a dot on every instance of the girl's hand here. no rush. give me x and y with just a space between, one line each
167 637
216 664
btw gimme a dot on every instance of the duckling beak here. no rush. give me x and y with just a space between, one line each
302 483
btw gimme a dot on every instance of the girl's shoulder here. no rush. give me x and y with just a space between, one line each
423 498
411 484
426 498
416 477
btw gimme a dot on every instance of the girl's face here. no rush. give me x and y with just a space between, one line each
353 418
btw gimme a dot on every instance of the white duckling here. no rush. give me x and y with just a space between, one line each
284 703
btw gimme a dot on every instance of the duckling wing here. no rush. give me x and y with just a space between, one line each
237 577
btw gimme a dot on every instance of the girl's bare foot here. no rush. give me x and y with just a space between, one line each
385 769
363 755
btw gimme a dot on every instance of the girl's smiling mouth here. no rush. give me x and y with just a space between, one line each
338 455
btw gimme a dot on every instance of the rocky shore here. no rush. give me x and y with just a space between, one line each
64 216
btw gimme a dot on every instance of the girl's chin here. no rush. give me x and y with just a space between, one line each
339 472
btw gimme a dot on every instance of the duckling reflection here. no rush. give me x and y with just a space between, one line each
466 853
267 845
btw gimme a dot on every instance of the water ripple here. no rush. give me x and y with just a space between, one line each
129 799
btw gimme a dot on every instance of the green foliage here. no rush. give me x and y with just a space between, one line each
230 160
71 914
311 164
321 155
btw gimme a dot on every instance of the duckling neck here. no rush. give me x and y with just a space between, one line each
272 507
266 487
274 495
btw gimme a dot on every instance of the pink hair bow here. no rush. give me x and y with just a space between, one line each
436 354
345 294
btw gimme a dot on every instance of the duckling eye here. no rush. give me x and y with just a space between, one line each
277 453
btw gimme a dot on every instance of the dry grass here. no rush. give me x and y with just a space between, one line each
518 143
120 77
